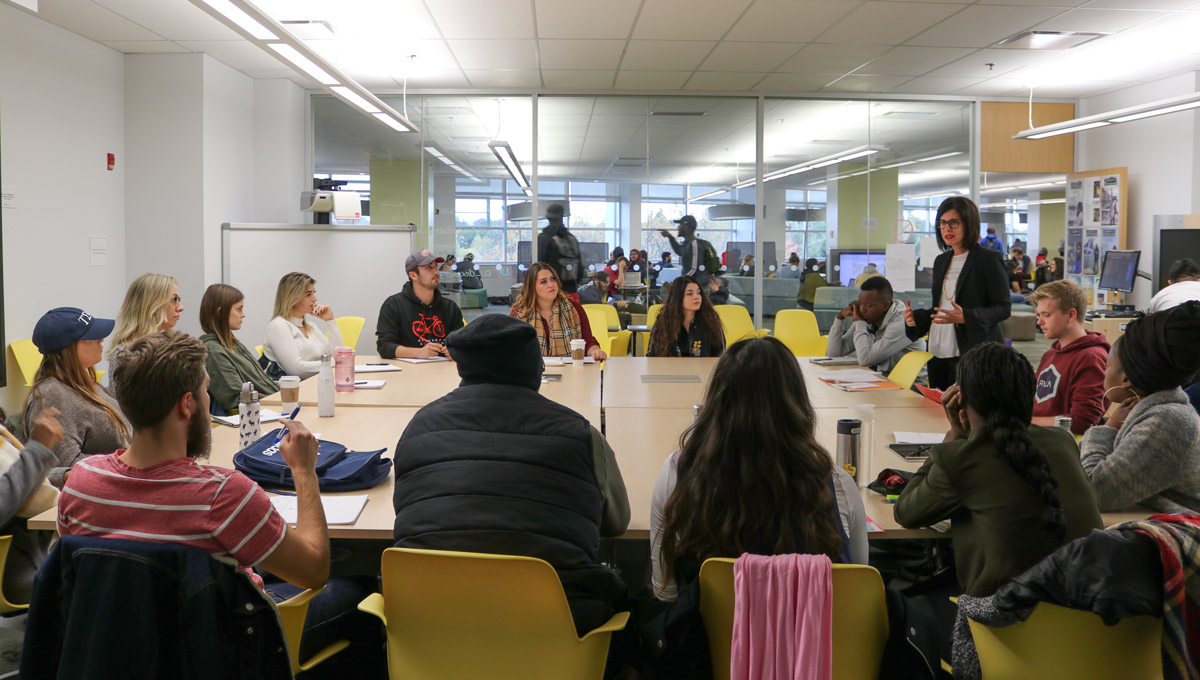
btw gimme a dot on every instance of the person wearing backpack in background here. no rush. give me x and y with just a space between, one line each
558 248
697 256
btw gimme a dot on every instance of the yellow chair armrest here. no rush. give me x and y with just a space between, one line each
946 667
373 604
617 622
325 654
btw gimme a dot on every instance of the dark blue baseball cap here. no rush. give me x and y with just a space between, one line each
61 326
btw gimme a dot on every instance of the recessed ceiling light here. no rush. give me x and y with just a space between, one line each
1048 40
692 114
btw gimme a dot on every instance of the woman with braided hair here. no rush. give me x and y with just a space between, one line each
1014 491
1149 451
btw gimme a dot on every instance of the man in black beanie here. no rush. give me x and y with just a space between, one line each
494 467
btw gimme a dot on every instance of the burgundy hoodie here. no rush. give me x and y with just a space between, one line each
1070 381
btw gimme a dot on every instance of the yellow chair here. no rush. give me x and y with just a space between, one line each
291 614
1056 643
651 317
29 359
100 376
613 344
258 348
737 324
860 621
7 607
608 313
470 615
908 368
351 327
797 328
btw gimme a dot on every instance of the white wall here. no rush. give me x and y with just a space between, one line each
280 137
229 169
1161 154
61 111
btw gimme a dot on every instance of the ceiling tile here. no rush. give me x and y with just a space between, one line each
671 55
1057 3
984 25
275 73
376 22
788 20
673 19
853 83
912 61
580 54
504 78
934 85
996 87
975 65
829 58
498 54
748 56
93 21
393 57
144 46
585 18
1098 20
886 23
236 53
651 80
483 19
172 20
579 80
702 80
1138 4
794 82
1082 88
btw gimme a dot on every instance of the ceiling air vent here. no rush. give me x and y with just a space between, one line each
1048 40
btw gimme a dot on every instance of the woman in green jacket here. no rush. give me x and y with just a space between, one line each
1014 492
229 363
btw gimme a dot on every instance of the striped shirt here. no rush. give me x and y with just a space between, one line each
219 511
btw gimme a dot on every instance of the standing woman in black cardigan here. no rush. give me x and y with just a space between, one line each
970 289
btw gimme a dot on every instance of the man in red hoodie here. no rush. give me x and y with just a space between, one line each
1071 374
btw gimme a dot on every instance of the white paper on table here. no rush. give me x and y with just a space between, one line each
851 375
929 250
369 384
565 361
423 360
338 509
265 415
900 263
375 368
918 437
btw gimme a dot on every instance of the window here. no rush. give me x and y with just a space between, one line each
806 234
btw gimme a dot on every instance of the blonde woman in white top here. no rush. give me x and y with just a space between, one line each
294 343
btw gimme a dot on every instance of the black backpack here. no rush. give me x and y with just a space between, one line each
712 262
570 265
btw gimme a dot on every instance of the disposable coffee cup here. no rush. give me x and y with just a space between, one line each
577 347
289 393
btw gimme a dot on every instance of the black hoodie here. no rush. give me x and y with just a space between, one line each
406 321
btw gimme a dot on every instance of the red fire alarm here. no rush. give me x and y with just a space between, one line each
112 161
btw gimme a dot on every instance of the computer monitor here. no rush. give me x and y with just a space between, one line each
1119 270
846 265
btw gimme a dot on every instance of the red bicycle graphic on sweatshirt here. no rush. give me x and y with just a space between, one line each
426 326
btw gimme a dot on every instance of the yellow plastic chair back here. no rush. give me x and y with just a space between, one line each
5 605
620 344
860 622
350 327
258 348
100 376
652 314
598 320
471 615
607 312
908 368
1056 643
736 321
797 328
291 613
29 359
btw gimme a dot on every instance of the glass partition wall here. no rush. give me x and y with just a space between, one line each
841 179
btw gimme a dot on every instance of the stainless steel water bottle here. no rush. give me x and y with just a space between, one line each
849 445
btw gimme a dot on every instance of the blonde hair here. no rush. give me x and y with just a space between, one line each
144 310
64 367
526 304
1065 294
292 288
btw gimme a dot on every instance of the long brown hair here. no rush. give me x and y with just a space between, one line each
64 367
526 304
218 300
670 319
751 477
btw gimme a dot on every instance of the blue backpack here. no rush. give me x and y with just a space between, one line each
337 468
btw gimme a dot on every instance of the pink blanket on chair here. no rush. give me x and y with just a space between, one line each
782 618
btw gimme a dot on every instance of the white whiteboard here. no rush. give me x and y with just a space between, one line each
356 269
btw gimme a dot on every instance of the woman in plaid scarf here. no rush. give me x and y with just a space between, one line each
557 318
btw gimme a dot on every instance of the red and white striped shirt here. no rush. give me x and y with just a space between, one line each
219 511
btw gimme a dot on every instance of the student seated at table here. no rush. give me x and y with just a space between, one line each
1014 492
72 343
157 490
1070 376
756 430
687 324
294 344
1183 284
24 493
557 318
229 363
416 321
152 303
524 476
872 328
1149 450
596 292
616 275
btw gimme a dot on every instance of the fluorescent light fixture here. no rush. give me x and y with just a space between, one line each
956 192
436 153
940 156
1014 204
238 16
303 63
1156 108
707 194
391 122
433 150
355 98
1050 181
509 160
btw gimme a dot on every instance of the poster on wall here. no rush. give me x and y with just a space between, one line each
1088 284
1091 251
1074 250
1095 217
1110 202
1075 203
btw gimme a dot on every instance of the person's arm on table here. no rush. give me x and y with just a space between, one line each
928 498
872 351
614 519
1147 461
302 557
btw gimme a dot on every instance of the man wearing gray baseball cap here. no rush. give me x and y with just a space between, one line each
415 322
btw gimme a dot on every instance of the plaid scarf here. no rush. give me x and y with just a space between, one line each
1178 539
564 326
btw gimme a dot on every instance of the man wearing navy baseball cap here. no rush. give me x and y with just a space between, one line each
416 321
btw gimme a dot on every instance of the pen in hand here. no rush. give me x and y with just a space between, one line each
283 431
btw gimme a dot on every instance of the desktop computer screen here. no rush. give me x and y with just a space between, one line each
1119 270
852 263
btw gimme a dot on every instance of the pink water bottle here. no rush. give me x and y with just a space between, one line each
343 369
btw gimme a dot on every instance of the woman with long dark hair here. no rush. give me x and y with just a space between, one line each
229 363
1014 491
750 477
970 291
687 325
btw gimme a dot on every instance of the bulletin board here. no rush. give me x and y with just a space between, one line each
1097 221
